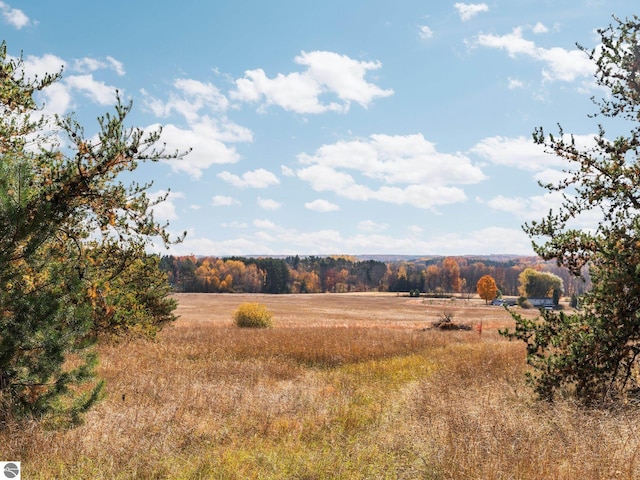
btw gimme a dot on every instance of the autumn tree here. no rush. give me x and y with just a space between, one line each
73 265
536 284
451 275
487 288
595 354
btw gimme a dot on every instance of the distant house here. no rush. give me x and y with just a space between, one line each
542 302
510 302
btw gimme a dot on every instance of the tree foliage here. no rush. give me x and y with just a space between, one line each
73 265
536 284
487 288
594 354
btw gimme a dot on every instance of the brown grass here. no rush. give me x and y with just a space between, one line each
343 386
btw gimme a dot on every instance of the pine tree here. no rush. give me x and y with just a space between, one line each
595 355
72 238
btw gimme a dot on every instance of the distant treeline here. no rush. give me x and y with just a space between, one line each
339 274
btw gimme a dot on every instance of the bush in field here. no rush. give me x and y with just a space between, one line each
252 315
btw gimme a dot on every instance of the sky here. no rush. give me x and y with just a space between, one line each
354 127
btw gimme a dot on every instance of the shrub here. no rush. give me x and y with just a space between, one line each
252 315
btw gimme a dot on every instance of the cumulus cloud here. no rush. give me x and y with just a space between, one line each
224 201
39 66
398 169
207 141
326 74
97 91
469 10
90 64
559 64
165 210
208 132
58 97
320 205
268 204
188 99
522 153
259 178
14 16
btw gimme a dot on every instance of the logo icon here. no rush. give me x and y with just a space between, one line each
10 470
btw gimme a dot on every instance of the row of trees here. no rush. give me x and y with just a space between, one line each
314 274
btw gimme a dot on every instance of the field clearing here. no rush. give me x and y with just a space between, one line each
344 386
388 310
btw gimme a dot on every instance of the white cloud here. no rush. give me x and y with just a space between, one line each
523 153
519 152
188 99
40 66
224 201
207 136
327 73
559 64
514 83
57 98
165 210
265 224
97 91
205 140
470 10
534 207
287 171
268 204
371 226
271 237
540 28
550 175
320 205
517 205
259 178
407 170
424 32
485 241
89 64
14 16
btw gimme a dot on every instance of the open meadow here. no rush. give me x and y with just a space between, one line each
344 386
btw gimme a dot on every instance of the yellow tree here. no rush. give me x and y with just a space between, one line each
451 275
487 288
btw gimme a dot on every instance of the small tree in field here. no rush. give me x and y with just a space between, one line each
487 288
73 266
595 355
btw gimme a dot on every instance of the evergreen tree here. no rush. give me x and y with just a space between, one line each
594 355
72 243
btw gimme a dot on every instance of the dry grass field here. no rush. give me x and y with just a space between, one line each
346 386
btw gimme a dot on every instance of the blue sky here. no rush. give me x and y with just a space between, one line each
334 127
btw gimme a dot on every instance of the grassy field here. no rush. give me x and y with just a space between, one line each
347 386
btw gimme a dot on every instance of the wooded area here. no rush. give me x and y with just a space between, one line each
340 274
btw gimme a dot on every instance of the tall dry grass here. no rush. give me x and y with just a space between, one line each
324 400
